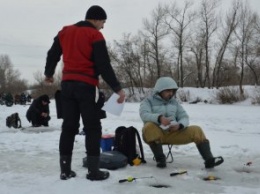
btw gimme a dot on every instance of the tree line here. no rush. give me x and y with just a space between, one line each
199 45
194 44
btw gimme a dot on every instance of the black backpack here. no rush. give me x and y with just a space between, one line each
125 142
13 121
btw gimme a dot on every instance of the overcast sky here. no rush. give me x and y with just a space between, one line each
29 26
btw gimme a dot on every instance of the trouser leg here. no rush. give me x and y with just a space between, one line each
92 141
194 134
65 167
191 134
92 144
67 139
66 145
45 121
153 136
35 119
152 133
94 173
205 152
159 156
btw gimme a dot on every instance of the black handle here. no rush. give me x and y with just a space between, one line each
122 180
178 173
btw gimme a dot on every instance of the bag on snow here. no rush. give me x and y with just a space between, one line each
110 160
125 142
13 121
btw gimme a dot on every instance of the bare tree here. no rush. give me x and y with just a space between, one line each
40 87
5 64
208 20
10 78
178 21
224 38
154 33
197 48
127 57
244 34
252 58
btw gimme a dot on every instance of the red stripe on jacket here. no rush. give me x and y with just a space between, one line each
76 43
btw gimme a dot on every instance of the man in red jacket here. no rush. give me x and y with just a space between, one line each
85 57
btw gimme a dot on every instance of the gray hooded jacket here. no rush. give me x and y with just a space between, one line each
153 106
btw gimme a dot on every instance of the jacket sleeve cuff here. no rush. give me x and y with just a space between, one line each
117 88
158 120
181 126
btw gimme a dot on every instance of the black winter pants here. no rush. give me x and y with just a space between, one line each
78 99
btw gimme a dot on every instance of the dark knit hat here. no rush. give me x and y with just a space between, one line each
96 12
45 98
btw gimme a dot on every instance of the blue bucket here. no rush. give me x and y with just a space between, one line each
107 142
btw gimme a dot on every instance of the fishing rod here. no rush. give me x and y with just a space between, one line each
131 179
178 173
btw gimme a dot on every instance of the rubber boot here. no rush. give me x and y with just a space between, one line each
210 161
45 123
159 156
65 167
94 174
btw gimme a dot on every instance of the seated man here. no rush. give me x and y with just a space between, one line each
166 122
38 112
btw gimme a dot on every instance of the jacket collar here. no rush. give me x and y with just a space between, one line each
84 24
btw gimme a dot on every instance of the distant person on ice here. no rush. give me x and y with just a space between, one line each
166 122
38 113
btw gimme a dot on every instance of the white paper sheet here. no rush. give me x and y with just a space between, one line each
168 126
112 106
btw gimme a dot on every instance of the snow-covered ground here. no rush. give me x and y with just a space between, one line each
30 159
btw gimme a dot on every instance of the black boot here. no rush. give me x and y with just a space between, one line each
45 124
65 167
210 161
158 155
94 174
45 121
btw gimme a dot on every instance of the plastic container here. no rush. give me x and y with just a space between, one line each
107 142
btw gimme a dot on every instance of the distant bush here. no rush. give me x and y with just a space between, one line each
197 100
256 96
183 96
228 95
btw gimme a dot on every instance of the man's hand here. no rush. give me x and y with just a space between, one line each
174 127
122 96
49 80
44 114
165 121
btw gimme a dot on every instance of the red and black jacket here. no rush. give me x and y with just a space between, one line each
85 55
